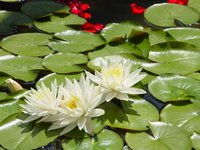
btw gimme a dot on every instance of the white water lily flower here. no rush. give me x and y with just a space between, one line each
116 77
78 106
41 103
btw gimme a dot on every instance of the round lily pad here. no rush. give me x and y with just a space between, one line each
165 137
59 22
184 116
64 62
12 130
185 34
164 14
60 78
106 139
20 67
134 115
37 9
194 4
121 31
77 38
176 61
27 44
174 88
9 20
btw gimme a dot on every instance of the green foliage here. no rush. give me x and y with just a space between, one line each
165 136
170 57
164 14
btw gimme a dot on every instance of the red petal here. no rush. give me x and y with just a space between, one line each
75 10
87 26
98 26
83 6
136 9
85 15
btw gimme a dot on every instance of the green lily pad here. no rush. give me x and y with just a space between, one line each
157 36
106 139
174 88
20 67
194 75
60 78
170 12
9 107
3 53
76 39
121 31
28 44
9 20
58 23
184 116
124 48
3 95
196 141
13 131
135 115
165 137
185 34
66 47
38 9
194 4
80 134
173 61
64 63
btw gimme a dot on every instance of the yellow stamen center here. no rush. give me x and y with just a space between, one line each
114 72
72 103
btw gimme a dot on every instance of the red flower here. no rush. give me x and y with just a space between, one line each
136 9
181 2
85 15
89 27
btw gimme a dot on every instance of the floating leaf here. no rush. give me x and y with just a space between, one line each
125 48
106 139
196 141
64 63
2 52
77 38
37 9
66 47
60 78
121 31
185 34
29 44
13 131
173 61
174 88
80 134
157 36
9 107
20 67
165 137
58 23
3 95
9 20
134 115
164 14
184 116
194 4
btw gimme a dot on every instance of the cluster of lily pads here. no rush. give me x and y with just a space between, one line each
57 49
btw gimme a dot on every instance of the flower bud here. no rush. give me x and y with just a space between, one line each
13 86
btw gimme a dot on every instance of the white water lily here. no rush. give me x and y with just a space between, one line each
41 103
116 77
78 106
